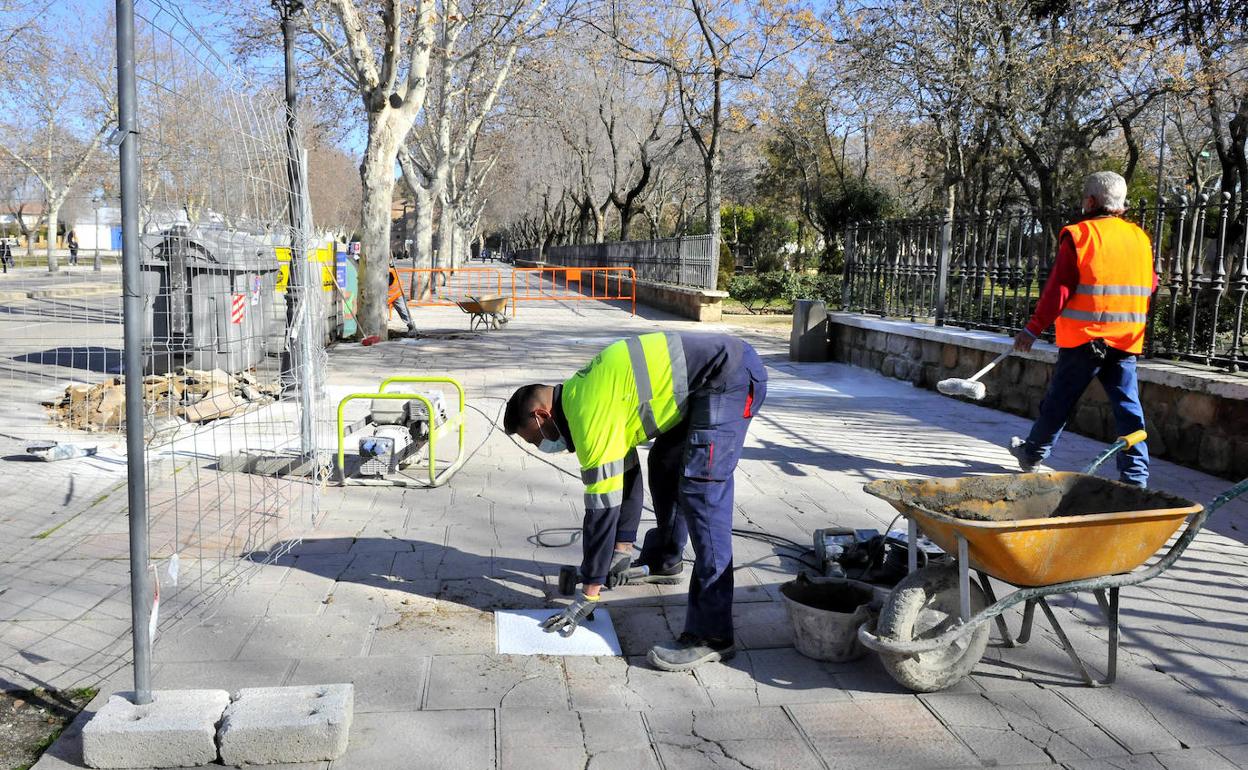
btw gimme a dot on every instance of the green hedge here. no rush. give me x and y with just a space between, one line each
757 292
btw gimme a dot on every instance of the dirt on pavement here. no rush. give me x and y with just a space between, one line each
31 719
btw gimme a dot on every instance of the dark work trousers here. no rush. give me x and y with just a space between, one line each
1075 370
691 485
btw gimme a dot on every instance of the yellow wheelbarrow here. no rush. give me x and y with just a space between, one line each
490 312
1045 534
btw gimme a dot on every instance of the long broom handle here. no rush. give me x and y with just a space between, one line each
987 368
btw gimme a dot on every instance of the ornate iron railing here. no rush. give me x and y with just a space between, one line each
986 271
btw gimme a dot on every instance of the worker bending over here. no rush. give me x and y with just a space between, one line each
694 395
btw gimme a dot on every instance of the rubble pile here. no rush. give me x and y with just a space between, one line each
191 395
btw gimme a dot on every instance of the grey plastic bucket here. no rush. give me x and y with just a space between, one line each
826 615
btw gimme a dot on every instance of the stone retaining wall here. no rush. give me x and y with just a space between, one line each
1195 416
684 301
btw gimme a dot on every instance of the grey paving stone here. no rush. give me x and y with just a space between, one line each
380 596
215 639
880 733
601 684
444 629
370 566
229 675
1022 727
785 676
640 628
494 593
1128 762
381 684
1195 759
752 738
301 636
267 725
1237 755
761 625
177 728
608 732
1144 711
421 740
496 681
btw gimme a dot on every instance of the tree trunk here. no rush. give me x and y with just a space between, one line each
54 212
446 235
377 176
422 245
600 225
626 216
714 184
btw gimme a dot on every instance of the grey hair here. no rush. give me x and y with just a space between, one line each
1109 190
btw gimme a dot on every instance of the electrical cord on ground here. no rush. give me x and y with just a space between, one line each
780 543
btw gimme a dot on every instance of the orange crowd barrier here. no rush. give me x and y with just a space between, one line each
573 284
445 286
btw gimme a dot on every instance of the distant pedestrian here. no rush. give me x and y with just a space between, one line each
1098 294
6 254
71 240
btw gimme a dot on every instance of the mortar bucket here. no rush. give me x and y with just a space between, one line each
826 614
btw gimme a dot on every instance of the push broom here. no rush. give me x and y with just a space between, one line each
972 388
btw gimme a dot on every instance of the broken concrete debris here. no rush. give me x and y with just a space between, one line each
192 395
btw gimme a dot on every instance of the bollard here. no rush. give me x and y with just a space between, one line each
808 341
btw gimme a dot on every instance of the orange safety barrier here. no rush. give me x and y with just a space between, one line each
572 284
446 286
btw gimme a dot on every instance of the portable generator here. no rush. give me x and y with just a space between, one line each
399 429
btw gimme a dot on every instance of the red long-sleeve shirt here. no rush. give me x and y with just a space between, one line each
1061 284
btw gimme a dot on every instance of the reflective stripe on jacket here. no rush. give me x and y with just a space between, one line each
631 392
1115 283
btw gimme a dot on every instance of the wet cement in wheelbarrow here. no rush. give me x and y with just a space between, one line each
1026 496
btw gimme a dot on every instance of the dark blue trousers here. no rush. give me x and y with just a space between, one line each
691 486
1075 370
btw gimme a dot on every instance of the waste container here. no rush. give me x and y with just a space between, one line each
207 294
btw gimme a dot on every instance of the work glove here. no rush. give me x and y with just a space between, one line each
618 574
566 622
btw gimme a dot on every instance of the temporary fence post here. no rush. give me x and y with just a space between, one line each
633 275
132 304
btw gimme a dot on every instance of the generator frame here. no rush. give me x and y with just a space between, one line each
453 422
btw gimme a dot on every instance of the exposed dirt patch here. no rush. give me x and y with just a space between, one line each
779 323
1024 496
31 720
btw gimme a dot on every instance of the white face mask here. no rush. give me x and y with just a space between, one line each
552 446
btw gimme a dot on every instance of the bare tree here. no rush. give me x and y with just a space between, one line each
56 114
384 59
708 48
476 51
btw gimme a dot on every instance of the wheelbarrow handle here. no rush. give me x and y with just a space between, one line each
1123 442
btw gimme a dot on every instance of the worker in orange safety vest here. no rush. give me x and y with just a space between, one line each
1098 294
397 302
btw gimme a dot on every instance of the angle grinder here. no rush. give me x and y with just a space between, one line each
570 577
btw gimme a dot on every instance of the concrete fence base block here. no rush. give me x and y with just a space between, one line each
270 725
177 729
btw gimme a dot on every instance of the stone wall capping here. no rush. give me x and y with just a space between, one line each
1183 376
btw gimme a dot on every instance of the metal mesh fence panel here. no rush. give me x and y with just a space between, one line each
233 338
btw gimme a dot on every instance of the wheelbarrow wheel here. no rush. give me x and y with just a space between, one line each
923 605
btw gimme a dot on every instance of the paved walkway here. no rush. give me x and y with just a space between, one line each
395 593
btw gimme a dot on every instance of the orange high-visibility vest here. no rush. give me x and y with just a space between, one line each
1115 283
396 289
